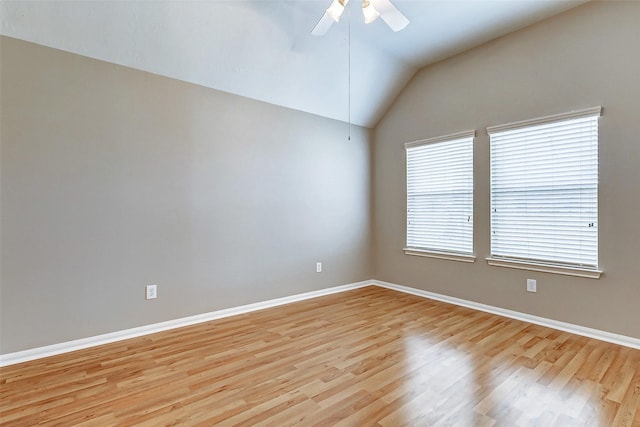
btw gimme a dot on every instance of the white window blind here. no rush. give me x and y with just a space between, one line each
440 194
544 190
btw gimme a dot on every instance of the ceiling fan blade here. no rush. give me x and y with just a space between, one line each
323 25
392 16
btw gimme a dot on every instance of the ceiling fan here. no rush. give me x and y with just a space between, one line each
371 9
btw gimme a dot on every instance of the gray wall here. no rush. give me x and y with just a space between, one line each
586 57
114 178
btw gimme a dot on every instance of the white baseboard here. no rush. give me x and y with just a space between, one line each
65 347
550 323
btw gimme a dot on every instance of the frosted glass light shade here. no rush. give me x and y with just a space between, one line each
370 13
336 8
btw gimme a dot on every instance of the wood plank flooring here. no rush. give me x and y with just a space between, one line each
368 357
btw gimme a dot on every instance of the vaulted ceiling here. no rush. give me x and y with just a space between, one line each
263 49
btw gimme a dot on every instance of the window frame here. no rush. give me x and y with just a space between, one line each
440 253
533 264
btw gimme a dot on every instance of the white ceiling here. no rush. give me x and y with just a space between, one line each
263 49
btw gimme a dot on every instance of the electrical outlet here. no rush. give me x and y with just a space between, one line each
152 291
532 285
318 267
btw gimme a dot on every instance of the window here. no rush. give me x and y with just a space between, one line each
544 194
440 197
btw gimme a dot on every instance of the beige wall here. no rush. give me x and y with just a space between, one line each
586 57
114 178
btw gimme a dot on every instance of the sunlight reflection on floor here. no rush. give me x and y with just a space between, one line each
446 385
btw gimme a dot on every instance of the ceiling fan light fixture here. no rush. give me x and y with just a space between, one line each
371 9
336 8
370 13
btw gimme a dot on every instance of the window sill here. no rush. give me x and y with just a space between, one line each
545 268
440 255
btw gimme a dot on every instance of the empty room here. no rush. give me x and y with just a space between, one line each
320 213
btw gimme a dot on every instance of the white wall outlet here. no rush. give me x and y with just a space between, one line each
318 267
532 285
152 291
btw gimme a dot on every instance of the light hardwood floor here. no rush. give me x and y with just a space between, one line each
366 357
